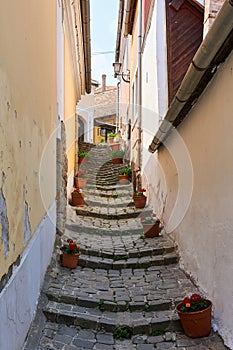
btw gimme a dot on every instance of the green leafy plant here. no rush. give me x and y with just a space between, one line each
78 190
150 220
194 303
123 332
118 153
147 308
125 171
81 174
101 305
82 154
139 192
70 247
112 134
158 332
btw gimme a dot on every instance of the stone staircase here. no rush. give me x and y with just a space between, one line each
124 284
121 277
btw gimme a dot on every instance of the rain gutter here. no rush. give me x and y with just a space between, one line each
85 11
214 49
119 26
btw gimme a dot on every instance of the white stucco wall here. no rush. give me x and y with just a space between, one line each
204 235
154 93
19 298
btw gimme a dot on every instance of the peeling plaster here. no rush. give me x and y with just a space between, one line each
4 220
26 225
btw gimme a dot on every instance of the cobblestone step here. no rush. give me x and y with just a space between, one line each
97 262
61 336
113 306
113 213
104 231
137 322
94 200
123 290
133 253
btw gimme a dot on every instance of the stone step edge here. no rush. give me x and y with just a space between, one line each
91 213
110 187
134 263
101 231
109 322
107 305
130 254
96 203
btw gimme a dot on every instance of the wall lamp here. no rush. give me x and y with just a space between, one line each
117 72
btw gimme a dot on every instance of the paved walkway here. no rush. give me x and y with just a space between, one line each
106 297
123 293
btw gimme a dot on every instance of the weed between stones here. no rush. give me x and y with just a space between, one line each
123 332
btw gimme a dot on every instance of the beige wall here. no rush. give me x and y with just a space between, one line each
70 109
204 235
27 115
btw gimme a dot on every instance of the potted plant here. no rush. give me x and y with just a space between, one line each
139 198
111 136
70 254
82 157
195 316
117 156
80 179
77 197
151 227
124 175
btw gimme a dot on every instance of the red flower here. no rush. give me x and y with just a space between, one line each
70 240
72 246
142 190
186 301
195 297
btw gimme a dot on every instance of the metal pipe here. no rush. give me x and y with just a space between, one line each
139 123
119 27
201 62
127 13
85 10
117 106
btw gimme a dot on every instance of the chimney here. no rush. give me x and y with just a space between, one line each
212 8
103 82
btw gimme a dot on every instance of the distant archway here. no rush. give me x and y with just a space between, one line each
81 130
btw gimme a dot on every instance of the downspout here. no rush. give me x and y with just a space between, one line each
119 27
202 62
85 10
117 106
127 13
139 124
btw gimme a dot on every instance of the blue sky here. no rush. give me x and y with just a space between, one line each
104 16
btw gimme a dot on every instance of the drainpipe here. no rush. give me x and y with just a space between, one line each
139 124
117 106
85 10
201 63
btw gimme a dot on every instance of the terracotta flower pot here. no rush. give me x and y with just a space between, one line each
139 201
117 160
151 230
110 139
82 160
115 146
77 199
69 260
80 182
124 179
196 324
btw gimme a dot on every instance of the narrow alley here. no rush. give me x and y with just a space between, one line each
123 293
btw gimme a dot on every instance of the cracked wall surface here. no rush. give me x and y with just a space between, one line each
27 120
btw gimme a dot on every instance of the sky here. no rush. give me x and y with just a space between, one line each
104 17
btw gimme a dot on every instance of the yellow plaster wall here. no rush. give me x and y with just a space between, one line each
70 109
27 114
